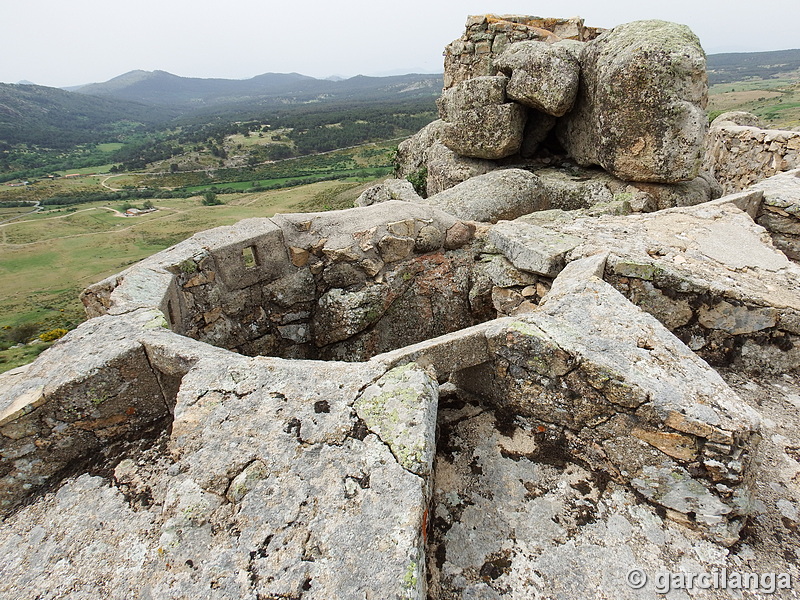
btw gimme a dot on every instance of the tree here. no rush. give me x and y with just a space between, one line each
211 199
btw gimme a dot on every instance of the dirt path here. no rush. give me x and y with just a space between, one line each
171 212
37 207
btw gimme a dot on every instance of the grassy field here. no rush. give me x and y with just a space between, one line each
47 259
776 101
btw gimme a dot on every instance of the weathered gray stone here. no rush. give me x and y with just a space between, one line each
411 152
684 254
472 95
477 122
503 274
222 476
780 211
737 319
532 248
94 385
641 114
737 117
504 194
391 189
740 153
492 132
342 314
401 409
445 168
429 239
542 76
683 193
586 336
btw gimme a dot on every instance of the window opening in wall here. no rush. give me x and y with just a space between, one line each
250 257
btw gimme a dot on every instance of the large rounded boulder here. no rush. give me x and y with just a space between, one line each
640 111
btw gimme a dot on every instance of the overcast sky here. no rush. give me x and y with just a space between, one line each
60 43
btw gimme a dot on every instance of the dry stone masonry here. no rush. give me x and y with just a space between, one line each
740 152
540 376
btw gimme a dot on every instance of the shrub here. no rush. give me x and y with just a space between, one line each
419 179
22 334
53 334
211 199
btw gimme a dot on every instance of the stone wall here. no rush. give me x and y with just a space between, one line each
486 37
325 285
739 153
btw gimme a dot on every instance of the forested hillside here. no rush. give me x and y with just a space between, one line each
53 118
191 94
142 117
736 66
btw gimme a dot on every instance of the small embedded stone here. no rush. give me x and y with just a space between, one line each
299 256
677 446
458 235
429 239
394 248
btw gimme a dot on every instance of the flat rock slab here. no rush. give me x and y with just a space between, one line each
708 264
504 194
780 211
267 483
626 397
533 248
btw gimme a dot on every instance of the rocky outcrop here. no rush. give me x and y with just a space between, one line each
423 157
640 111
391 189
478 122
730 307
739 152
544 77
780 211
517 90
512 192
505 194
262 464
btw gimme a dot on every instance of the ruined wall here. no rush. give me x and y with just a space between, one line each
274 477
343 286
528 397
486 37
739 153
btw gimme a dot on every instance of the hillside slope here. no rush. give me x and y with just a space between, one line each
735 66
190 93
39 115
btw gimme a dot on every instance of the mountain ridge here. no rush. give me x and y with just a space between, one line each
190 93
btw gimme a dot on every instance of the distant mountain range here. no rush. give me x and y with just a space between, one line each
56 118
190 93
